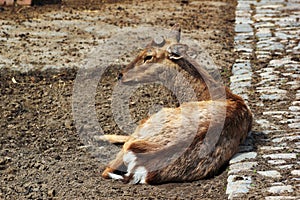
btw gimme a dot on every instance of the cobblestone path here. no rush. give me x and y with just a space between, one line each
267 75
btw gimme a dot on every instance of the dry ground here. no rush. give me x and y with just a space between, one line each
41 154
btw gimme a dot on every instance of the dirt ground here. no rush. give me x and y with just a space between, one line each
41 154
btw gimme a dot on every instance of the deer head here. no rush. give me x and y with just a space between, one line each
161 61
155 59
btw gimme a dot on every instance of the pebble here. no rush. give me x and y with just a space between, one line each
263 122
263 32
243 166
285 166
276 162
243 28
234 187
294 125
281 156
281 189
280 198
270 173
296 172
243 156
271 97
272 148
51 193
289 138
281 62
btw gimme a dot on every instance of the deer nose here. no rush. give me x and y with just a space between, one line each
120 76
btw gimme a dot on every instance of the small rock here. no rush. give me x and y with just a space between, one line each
290 138
51 193
243 28
68 124
294 108
285 166
276 162
281 189
270 173
280 198
5 160
237 186
244 166
281 156
243 156
296 172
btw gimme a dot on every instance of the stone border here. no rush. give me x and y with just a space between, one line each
240 83
267 43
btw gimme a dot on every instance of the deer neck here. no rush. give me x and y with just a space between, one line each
204 85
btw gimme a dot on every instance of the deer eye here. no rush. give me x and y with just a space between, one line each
120 76
149 57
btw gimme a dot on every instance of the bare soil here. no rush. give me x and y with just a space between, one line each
41 154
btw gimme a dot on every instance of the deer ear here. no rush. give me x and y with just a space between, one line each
175 33
177 51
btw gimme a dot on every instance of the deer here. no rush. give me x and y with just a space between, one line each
183 144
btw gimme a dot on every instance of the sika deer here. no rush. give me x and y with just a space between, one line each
180 144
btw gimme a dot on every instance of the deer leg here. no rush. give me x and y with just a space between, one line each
145 160
129 165
113 139
115 168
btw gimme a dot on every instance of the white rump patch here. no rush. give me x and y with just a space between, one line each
115 176
129 160
139 176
